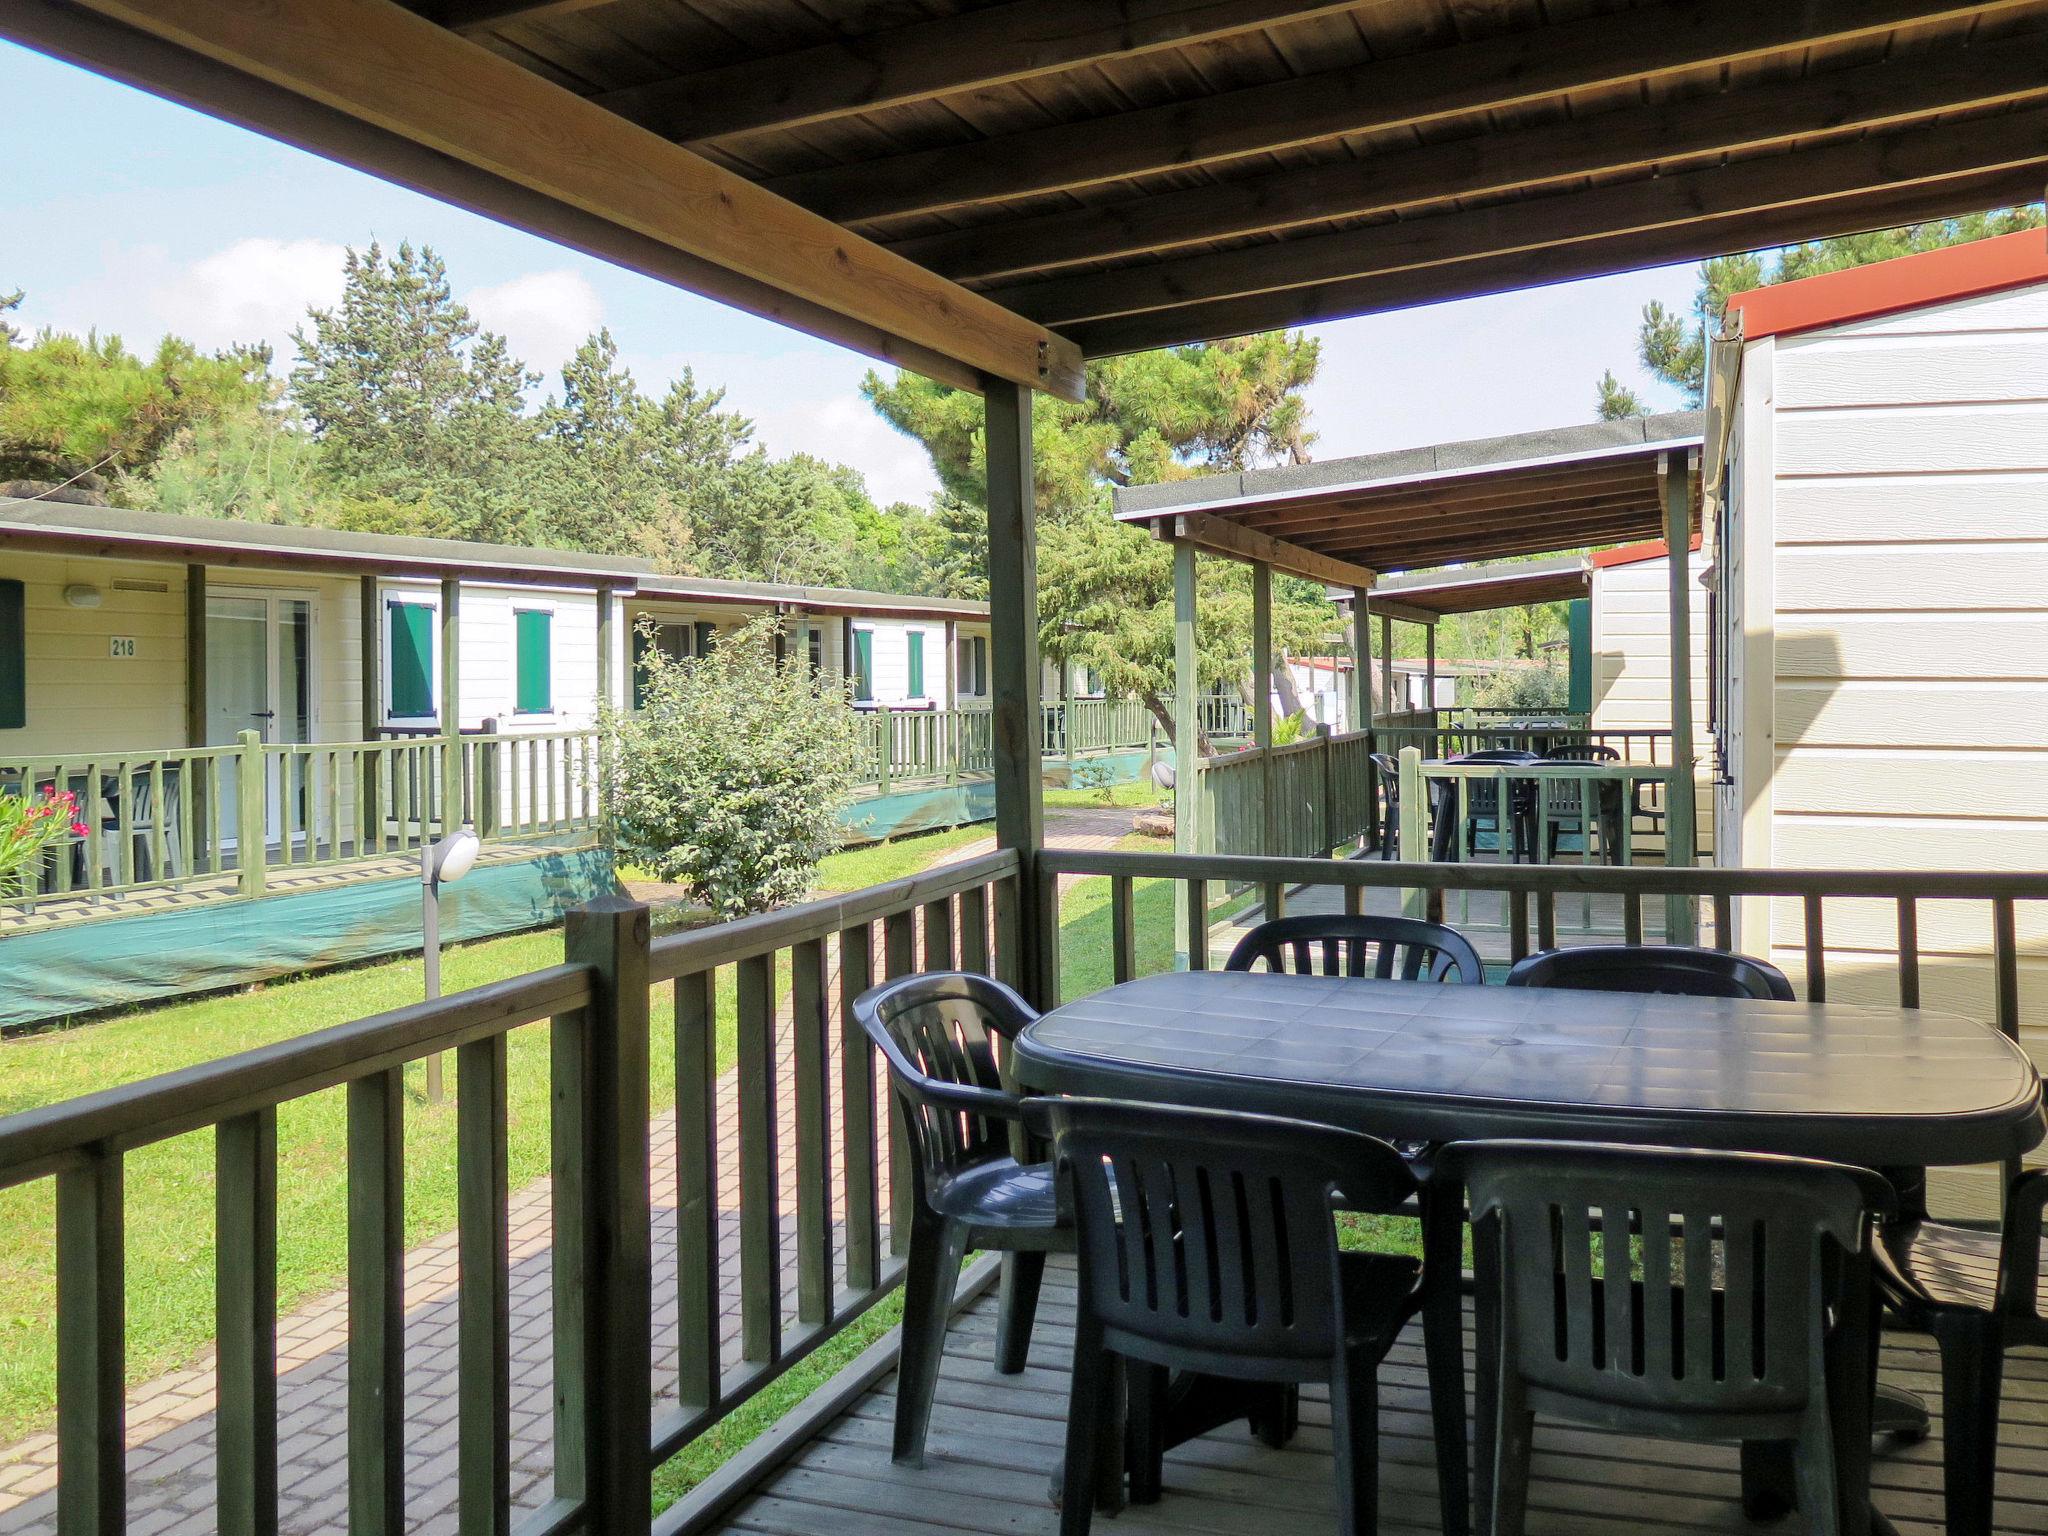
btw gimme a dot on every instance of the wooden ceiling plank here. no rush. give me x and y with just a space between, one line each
1313 536
1493 495
1222 537
938 57
1877 162
1870 97
484 15
1817 218
377 62
1501 72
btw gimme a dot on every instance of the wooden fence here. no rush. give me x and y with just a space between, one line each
596 1007
170 818
905 746
1300 800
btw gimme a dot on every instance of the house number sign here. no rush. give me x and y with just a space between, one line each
121 647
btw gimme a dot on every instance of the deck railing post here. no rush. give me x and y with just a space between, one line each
250 828
603 1313
484 815
1413 844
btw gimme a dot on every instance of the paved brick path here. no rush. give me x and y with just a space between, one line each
170 1419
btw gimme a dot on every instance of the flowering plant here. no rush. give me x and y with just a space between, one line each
30 825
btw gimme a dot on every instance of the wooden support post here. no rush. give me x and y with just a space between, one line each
451 704
245 1317
1414 837
1262 710
1429 670
195 655
603 1307
1016 720
376 1304
1187 753
370 638
607 641
195 710
1674 475
1387 662
251 823
92 1441
1361 648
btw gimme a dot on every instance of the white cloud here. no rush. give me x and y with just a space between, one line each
257 289
544 315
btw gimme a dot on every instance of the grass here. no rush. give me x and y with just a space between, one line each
1138 794
855 869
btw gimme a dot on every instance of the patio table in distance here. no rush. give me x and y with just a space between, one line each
1900 1089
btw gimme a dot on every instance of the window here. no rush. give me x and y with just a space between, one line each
974 665
533 631
915 640
676 641
864 665
13 657
410 649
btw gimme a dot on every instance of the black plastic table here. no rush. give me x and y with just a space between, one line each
1878 1087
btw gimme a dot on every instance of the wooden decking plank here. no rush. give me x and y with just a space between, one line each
995 1440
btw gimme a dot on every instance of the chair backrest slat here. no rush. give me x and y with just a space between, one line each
1201 1230
1681 969
938 1031
1594 1308
1336 944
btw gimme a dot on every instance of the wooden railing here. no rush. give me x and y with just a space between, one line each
1635 744
597 1007
921 746
1300 800
165 819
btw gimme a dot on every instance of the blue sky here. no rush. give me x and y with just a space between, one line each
136 216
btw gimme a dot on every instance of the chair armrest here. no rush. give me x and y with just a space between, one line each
2019 1251
986 1102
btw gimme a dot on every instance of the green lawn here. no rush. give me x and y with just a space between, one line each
170 1184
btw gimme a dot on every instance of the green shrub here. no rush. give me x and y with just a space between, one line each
730 778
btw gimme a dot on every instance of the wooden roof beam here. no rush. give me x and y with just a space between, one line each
937 57
1636 138
1469 78
1810 219
1374 527
1291 522
1877 163
376 63
1220 537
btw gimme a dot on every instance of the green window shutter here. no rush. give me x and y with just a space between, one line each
639 668
916 664
1579 631
535 690
707 637
411 627
863 663
13 656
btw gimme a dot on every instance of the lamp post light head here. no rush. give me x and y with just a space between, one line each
450 858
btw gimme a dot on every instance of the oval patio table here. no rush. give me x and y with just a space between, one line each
1895 1088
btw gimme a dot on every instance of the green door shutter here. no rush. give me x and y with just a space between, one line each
13 656
863 663
534 693
411 630
639 667
916 664
1579 630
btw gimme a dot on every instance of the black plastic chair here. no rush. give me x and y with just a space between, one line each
1979 1294
1679 969
1390 802
1748 1312
937 1033
1208 1244
1385 948
1518 835
1581 752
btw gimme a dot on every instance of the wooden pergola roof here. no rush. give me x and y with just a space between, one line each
1429 595
998 189
1346 521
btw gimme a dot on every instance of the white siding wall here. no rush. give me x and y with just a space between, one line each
490 655
1632 664
892 659
80 698
1910 521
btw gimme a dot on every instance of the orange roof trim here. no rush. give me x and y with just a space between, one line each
1634 554
1885 287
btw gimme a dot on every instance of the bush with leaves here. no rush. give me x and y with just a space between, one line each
729 780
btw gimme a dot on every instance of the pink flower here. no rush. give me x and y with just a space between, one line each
80 829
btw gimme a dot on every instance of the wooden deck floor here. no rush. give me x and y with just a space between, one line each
995 1441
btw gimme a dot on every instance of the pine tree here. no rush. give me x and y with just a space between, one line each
413 401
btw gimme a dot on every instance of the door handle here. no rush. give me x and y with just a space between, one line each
262 714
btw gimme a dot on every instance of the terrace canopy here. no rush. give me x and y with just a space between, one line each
993 193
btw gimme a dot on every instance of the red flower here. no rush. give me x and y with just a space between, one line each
80 829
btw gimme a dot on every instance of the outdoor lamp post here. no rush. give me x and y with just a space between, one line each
448 859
